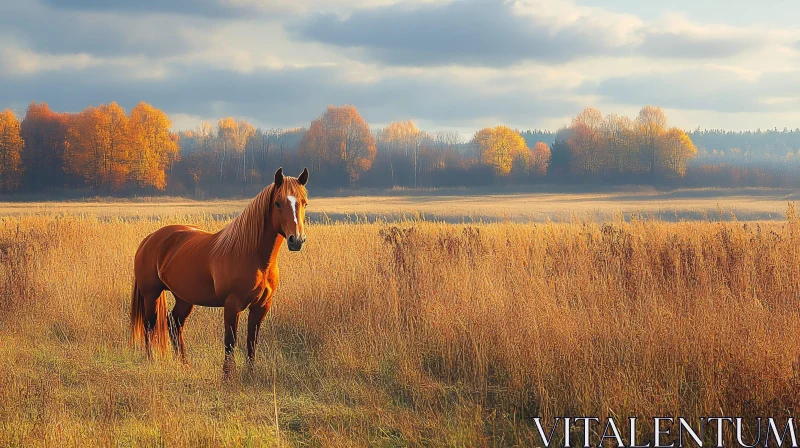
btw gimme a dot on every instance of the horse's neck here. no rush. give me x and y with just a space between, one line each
269 247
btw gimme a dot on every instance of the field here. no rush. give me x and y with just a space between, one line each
460 206
411 332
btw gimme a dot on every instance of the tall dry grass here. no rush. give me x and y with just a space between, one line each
407 334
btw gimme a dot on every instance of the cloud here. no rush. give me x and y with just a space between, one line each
676 37
483 32
669 44
219 9
287 97
209 8
500 33
703 88
52 31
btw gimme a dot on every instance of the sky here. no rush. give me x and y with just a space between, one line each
449 65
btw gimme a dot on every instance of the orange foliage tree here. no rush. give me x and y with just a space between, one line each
11 145
540 159
109 150
339 140
98 146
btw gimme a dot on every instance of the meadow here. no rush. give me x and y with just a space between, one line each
406 333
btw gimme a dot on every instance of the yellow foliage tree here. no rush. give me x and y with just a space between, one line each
501 147
155 148
11 145
678 148
401 137
651 125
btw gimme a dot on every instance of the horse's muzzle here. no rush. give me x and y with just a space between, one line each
294 243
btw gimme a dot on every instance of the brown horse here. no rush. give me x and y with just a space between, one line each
235 268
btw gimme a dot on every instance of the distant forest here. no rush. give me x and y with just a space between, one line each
103 150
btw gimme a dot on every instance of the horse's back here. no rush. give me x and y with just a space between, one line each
164 239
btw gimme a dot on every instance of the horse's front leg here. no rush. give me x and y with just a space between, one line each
254 319
232 309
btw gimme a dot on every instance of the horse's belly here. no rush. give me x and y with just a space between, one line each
193 289
191 285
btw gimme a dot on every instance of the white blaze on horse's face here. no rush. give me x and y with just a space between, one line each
293 203
295 240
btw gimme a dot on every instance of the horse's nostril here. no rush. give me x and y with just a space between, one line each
291 239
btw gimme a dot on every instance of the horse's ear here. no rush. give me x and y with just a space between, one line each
303 177
279 177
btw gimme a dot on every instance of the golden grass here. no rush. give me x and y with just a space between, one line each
412 333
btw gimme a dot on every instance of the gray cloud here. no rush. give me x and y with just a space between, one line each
483 32
490 33
288 97
703 89
208 8
52 31
666 44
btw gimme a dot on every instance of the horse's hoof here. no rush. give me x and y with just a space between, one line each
228 369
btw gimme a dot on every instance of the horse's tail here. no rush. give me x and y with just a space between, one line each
137 315
160 334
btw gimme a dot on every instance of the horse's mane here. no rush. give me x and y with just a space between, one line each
243 234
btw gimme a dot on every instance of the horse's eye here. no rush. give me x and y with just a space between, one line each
278 204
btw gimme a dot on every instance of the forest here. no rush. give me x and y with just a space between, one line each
104 150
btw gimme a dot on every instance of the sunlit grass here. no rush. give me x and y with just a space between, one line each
406 334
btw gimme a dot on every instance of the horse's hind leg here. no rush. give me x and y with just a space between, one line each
180 312
151 308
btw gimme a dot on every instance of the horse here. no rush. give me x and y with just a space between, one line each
235 268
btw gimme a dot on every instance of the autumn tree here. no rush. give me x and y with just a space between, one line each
618 136
11 146
154 147
44 133
83 146
402 139
677 150
230 144
114 131
585 142
502 148
339 140
247 133
197 153
98 146
539 159
651 124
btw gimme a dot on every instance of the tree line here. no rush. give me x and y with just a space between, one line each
100 148
104 150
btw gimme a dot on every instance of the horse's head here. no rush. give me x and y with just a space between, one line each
289 208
